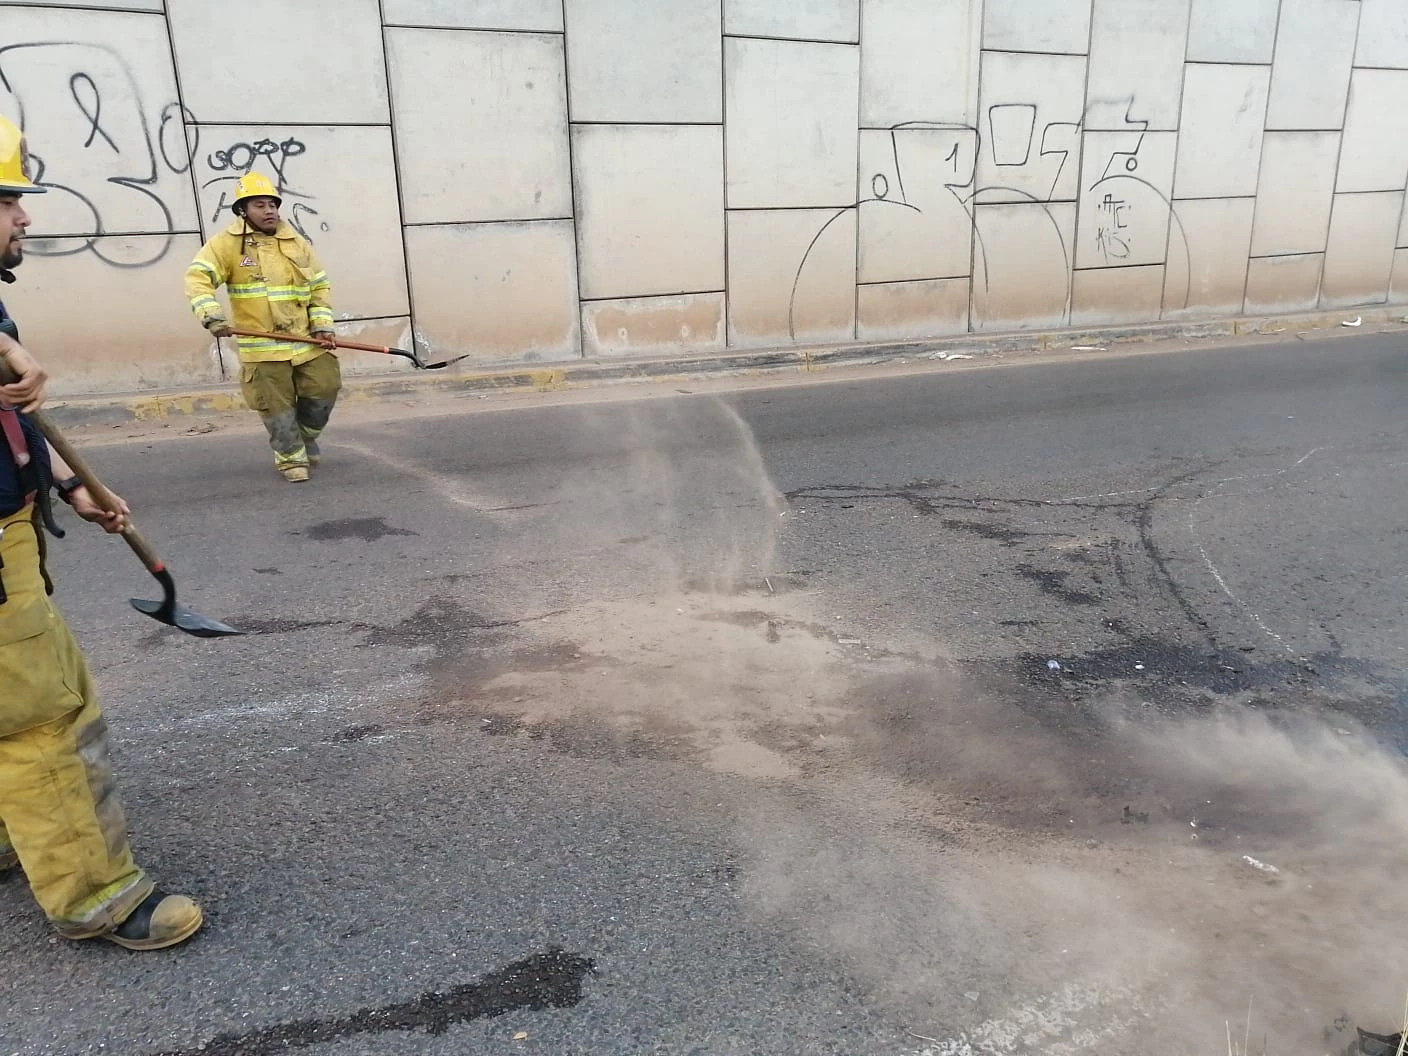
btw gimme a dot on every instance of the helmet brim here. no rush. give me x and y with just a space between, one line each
235 205
22 188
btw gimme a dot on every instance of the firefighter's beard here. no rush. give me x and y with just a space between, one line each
13 257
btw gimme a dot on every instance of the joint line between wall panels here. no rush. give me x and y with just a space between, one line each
478 29
1173 186
793 40
396 171
723 142
163 233
652 296
572 188
191 150
860 94
486 223
290 124
1080 169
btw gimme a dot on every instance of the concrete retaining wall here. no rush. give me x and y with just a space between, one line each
546 180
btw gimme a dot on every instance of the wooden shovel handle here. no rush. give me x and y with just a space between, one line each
104 498
354 345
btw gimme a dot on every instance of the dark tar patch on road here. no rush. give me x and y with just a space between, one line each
545 980
367 529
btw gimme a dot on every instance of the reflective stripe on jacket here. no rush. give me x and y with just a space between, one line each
275 283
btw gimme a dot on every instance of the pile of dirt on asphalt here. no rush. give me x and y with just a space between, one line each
1001 876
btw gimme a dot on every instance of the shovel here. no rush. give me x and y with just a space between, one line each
165 611
385 350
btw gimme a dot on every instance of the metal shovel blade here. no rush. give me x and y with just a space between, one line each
442 364
168 612
422 364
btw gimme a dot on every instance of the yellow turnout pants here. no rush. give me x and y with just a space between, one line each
59 808
295 403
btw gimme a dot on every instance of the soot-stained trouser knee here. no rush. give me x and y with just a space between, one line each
313 415
294 401
316 385
268 388
286 438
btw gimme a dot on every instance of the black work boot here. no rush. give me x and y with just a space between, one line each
159 921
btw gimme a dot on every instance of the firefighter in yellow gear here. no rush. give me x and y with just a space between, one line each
275 285
61 820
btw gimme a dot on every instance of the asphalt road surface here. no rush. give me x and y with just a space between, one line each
1051 705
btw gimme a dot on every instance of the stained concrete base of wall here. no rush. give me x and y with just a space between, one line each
186 405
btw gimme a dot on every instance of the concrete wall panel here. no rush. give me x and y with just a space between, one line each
1060 26
791 123
919 62
902 311
1219 142
650 209
1243 31
1029 119
339 76
837 20
1105 296
718 172
1284 284
791 276
504 96
135 329
1207 257
1359 257
1136 64
124 171
341 217
1383 34
1022 266
654 326
669 72
1314 35
1295 192
1126 184
913 223
544 16
1375 152
499 291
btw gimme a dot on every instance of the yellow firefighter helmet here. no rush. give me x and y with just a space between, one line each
14 162
254 185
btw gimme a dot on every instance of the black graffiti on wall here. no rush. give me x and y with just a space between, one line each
112 161
950 192
271 157
932 172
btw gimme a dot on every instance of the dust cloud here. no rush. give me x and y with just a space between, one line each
998 880
1256 870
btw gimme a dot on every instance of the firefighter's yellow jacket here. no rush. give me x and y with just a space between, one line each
275 284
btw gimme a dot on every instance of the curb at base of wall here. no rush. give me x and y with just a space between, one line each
119 408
